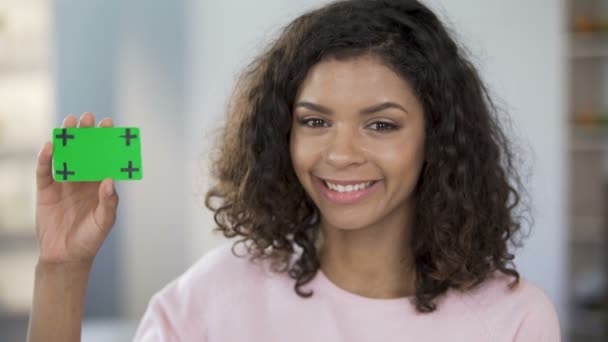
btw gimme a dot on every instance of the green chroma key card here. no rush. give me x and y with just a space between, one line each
95 153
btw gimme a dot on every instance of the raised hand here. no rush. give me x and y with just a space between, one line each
72 218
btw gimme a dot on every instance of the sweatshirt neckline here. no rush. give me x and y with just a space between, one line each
340 294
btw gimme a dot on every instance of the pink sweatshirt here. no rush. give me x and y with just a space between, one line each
224 298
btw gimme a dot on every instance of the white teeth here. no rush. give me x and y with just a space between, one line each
347 188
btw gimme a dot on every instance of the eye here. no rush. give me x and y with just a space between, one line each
314 122
383 126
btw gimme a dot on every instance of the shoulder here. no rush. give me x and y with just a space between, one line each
218 279
518 312
219 264
223 269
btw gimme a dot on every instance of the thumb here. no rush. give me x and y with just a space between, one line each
105 213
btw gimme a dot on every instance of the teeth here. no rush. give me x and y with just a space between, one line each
347 188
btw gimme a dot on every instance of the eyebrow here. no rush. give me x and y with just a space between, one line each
370 110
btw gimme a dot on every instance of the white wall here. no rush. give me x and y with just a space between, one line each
149 92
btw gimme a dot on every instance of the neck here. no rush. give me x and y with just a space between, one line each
373 261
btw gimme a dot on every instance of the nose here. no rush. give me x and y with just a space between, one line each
344 148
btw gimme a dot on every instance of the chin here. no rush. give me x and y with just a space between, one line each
342 221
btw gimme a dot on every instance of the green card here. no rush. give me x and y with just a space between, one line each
95 153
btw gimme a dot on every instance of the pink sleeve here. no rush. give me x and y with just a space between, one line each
541 323
156 324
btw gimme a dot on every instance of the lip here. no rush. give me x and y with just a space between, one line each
345 197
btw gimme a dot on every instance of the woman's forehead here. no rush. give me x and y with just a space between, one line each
357 81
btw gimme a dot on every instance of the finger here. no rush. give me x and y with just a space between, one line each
106 122
87 120
44 175
69 121
105 213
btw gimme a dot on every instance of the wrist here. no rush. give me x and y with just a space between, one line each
68 268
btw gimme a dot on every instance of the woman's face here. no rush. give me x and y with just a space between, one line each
357 141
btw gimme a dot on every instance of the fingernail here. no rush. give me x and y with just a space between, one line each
42 149
110 188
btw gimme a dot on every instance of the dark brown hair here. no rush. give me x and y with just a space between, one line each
468 190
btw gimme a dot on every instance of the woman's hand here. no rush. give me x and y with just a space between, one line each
72 218
72 222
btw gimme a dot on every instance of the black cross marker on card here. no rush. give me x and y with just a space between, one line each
128 137
129 169
65 171
65 136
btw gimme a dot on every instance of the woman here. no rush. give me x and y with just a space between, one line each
365 174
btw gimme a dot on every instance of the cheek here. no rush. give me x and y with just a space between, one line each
302 154
401 159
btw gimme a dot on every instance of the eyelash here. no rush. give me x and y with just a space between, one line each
387 125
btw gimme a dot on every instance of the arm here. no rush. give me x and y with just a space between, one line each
72 221
58 302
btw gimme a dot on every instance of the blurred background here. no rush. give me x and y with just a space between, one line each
167 66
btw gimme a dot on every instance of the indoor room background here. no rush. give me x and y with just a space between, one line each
167 67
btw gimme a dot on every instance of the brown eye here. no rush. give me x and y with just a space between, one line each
313 123
383 126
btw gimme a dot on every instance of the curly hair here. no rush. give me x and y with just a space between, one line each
468 187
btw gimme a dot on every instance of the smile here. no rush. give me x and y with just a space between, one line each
345 192
348 187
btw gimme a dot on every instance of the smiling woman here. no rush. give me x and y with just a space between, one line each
366 176
362 148
436 194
